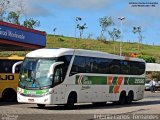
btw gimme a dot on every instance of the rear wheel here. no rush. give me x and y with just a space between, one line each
41 106
129 98
122 98
9 95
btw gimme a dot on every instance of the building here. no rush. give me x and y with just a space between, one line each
18 38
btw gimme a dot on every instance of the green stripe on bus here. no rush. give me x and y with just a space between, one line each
126 80
35 92
111 89
114 82
102 80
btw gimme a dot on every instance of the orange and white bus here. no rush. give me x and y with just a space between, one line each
9 81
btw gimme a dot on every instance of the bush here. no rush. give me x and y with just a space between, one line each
148 59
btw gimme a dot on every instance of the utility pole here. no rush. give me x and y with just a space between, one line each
120 48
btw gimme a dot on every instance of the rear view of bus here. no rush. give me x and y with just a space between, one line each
9 81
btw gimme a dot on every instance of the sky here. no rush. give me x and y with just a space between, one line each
61 14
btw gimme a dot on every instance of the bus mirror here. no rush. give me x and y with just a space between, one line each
51 70
14 66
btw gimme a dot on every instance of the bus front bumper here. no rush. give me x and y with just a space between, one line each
37 100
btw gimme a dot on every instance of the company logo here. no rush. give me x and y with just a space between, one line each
83 80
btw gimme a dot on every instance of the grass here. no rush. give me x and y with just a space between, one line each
110 47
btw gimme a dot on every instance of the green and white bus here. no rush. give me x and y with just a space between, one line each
69 76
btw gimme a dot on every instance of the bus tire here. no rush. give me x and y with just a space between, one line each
41 106
9 95
72 99
122 98
130 97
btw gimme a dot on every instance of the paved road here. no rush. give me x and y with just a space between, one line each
148 106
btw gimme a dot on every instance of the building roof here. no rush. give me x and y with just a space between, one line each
152 67
15 37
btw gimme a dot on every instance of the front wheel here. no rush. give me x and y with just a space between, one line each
71 101
41 106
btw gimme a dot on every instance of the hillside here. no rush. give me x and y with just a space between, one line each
110 47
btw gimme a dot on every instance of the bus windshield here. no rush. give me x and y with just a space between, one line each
34 73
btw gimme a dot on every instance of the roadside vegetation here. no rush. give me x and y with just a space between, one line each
148 52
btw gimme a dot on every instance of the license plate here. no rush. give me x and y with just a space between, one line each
30 100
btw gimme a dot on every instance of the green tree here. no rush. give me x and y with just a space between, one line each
105 22
138 30
148 59
78 19
54 30
114 34
31 23
81 29
3 6
13 18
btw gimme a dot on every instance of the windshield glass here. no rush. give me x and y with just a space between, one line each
34 73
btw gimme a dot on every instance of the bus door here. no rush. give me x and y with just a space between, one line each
59 88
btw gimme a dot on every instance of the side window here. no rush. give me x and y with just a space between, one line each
78 65
94 65
114 67
89 64
137 68
6 66
125 67
66 59
57 75
141 68
134 68
103 65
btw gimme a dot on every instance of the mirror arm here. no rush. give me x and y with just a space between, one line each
51 70
14 66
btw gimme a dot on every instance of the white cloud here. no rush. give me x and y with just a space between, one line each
29 7
37 10
83 4
39 7
145 16
79 4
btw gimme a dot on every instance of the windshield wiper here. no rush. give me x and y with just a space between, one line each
34 80
26 84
